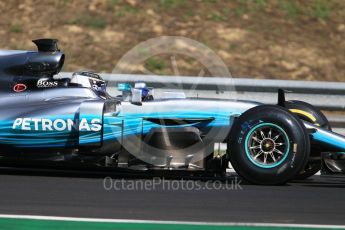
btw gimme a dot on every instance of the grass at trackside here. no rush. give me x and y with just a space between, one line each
27 224
281 39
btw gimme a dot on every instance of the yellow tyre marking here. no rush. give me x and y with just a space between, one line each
304 113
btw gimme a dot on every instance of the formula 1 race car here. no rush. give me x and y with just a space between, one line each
46 120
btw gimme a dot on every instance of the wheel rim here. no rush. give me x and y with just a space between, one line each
267 145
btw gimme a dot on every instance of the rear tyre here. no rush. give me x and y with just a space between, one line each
268 145
313 115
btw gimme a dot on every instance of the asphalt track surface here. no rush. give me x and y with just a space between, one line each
320 200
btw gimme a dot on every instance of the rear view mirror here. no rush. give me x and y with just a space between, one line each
136 96
124 87
133 95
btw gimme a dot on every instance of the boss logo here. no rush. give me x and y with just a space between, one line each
44 83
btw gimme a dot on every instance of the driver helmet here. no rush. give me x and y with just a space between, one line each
89 80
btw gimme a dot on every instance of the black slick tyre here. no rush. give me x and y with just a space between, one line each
308 112
268 145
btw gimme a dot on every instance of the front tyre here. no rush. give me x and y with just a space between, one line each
313 115
268 145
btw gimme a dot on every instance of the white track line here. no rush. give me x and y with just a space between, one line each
77 219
